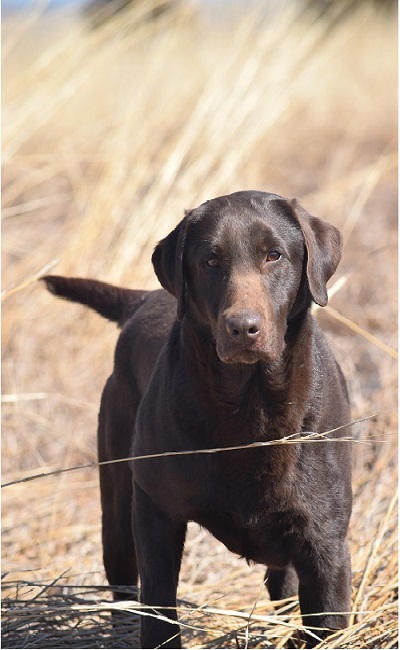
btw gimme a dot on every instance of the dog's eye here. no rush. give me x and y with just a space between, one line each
213 262
273 256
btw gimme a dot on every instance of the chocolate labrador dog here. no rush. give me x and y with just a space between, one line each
228 356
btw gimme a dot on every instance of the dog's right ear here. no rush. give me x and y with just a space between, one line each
168 264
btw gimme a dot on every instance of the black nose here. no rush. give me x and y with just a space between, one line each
244 327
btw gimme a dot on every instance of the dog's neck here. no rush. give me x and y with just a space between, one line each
230 388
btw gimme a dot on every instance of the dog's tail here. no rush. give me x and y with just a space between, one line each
111 302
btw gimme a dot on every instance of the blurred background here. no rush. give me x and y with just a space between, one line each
117 116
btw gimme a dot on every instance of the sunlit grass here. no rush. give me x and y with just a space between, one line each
108 135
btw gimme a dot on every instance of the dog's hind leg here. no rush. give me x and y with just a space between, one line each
119 555
114 441
160 543
282 583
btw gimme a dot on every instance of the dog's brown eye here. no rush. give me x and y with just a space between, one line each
213 262
273 256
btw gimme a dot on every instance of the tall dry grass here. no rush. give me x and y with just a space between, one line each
108 135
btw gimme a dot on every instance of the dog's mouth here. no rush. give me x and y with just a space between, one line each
242 354
267 347
230 359
245 337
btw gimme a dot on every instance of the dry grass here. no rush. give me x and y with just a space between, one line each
107 136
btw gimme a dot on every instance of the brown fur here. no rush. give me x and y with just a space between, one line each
230 356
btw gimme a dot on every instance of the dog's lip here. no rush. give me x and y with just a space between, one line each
251 353
234 360
240 354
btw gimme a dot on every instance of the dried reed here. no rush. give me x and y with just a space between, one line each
107 135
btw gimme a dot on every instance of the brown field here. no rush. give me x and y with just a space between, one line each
108 134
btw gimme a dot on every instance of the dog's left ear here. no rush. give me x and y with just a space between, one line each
324 249
168 263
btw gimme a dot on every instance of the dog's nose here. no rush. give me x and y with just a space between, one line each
244 327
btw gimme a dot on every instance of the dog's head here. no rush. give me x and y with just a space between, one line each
243 265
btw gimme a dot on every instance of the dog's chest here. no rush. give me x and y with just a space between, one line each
258 535
248 513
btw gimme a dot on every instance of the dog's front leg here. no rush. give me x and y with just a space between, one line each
159 542
325 590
